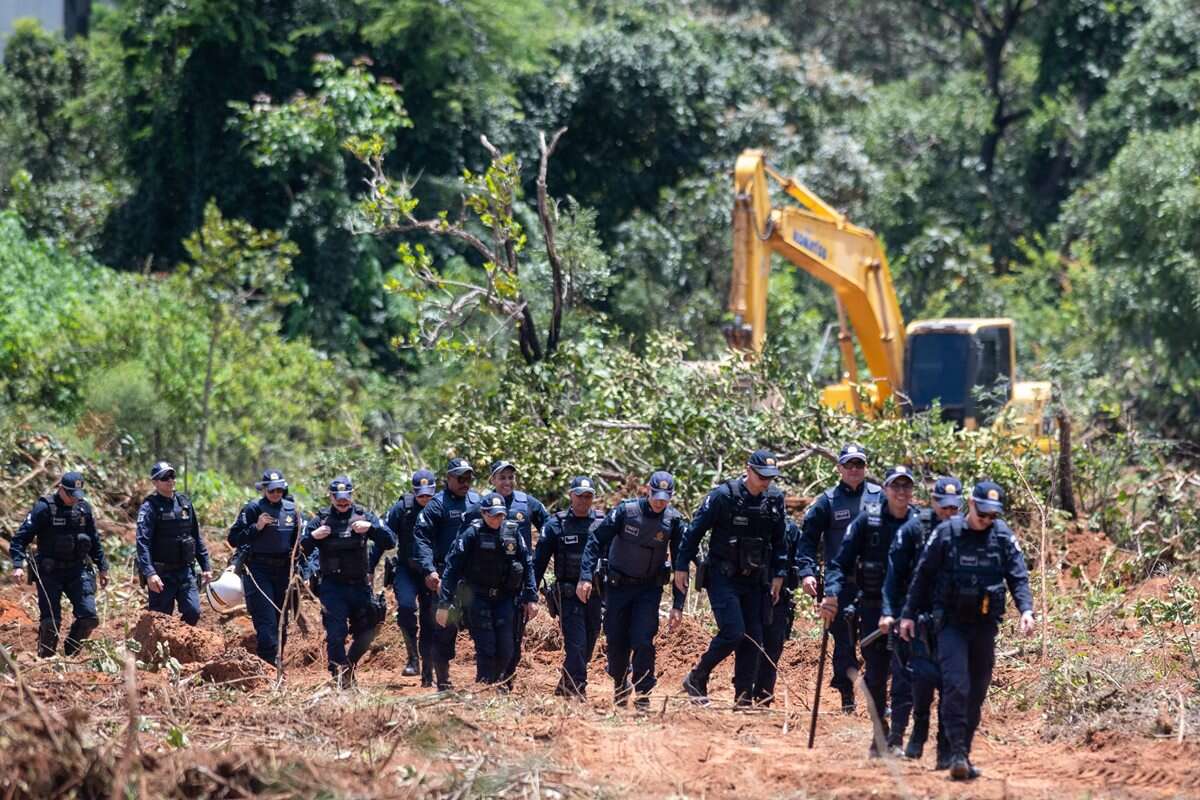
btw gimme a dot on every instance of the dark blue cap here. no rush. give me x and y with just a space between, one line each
459 466
500 464
341 487
896 473
160 469
947 492
852 451
424 482
73 483
582 484
492 503
763 462
272 479
662 485
988 497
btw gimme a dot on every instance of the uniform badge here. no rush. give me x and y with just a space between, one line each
993 494
952 489
662 484
520 516
424 481
78 484
585 484
851 449
183 514
288 521
510 547
659 536
770 462
274 476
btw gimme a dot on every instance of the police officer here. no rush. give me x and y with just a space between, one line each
62 525
777 628
492 559
921 663
962 574
340 533
564 538
266 531
168 542
407 578
437 527
864 554
747 519
525 510
638 537
824 525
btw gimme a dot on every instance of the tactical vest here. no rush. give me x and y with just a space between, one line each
742 538
344 553
519 512
496 563
928 519
639 550
870 569
791 541
843 508
277 538
408 518
172 545
65 540
568 555
972 585
454 509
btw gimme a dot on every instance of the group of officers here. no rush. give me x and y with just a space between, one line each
930 583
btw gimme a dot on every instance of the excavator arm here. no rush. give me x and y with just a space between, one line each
822 242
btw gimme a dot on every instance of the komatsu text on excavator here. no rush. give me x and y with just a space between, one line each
947 360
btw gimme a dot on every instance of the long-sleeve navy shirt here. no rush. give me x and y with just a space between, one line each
902 560
438 525
856 546
817 524
38 521
600 539
717 509
380 535
147 519
464 549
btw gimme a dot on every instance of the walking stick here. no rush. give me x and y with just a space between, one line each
812 727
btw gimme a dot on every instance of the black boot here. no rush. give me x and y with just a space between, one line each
847 699
696 685
413 667
441 668
916 740
621 691
641 702
80 630
47 638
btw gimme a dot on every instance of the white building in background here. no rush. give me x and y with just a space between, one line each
70 16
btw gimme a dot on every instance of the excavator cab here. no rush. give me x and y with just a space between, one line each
967 365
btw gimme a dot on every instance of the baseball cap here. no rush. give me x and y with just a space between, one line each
582 484
341 487
947 492
988 497
73 483
272 479
662 486
459 466
763 462
500 464
160 469
851 452
898 472
424 482
493 504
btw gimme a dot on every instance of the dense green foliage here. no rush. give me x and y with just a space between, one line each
336 204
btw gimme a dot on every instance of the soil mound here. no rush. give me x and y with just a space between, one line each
187 645
11 613
237 668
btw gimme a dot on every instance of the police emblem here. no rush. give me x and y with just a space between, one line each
851 449
78 484
770 462
659 536
183 514
288 521
993 494
585 484
274 476
520 516
662 484
510 547
424 481
952 489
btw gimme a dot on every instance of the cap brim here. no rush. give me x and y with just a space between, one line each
494 512
989 506
583 490
948 501
341 495
661 495
162 476
503 465
269 485
894 478
766 472
852 457
76 493
458 471
420 490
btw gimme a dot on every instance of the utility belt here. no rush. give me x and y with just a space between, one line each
866 601
730 570
171 566
615 579
969 605
480 591
46 564
269 560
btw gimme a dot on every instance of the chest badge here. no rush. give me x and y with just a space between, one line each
183 514
659 536
510 547
288 521
520 516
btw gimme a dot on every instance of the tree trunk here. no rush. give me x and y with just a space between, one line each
1066 467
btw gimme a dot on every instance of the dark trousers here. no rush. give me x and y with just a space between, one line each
179 588
491 621
844 631
776 631
580 629
266 588
346 609
737 604
902 689
518 637
630 625
878 661
406 585
437 644
79 585
966 654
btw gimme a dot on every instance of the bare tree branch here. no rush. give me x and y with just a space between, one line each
548 235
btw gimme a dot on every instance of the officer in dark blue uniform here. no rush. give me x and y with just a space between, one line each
266 531
495 566
341 534
168 543
921 661
62 525
864 554
564 539
526 510
963 575
824 525
639 538
406 577
780 617
747 518
437 527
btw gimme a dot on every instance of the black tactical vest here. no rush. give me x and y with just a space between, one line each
343 552
972 579
843 508
65 540
496 564
453 510
870 570
173 546
408 518
568 555
277 538
518 512
639 550
743 537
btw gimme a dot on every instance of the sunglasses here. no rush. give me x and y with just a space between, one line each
855 464
166 478
275 491
986 516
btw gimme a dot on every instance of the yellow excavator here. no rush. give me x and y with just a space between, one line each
947 360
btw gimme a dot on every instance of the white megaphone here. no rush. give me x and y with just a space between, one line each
226 594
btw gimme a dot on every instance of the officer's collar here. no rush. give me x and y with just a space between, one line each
845 487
